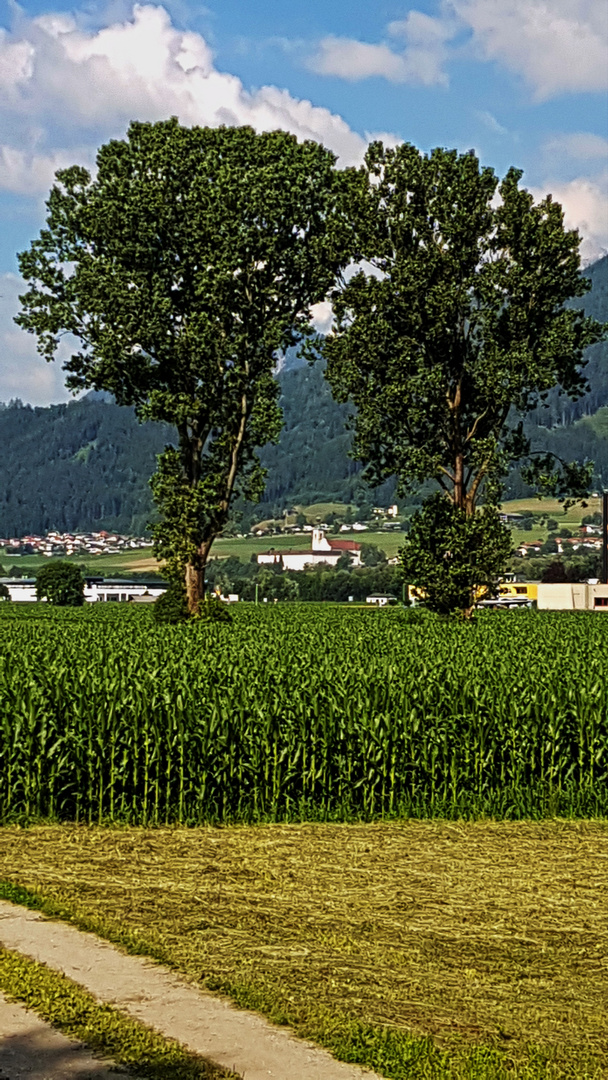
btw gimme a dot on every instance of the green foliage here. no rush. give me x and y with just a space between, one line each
4 593
41 456
60 583
214 611
190 260
371 555
321 583
463 326
172 605
555 572
294 712
73 1011
549 547
454 558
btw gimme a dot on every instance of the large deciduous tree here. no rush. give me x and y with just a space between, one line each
182 267
456 329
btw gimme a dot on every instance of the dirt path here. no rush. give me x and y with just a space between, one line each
238 1040
32 1050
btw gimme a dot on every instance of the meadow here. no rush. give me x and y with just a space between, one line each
300 712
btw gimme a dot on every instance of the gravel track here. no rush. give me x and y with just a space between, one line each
210 1026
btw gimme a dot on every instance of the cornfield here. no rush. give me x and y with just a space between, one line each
301 712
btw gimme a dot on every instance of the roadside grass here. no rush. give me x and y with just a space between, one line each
105 1030
419 949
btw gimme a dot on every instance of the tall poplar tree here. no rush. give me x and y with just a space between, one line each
181 268
457 328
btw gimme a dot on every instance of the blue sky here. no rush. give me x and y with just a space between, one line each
521 81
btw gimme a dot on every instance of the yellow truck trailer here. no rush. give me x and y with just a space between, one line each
511 594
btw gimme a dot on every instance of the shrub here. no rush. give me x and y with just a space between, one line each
171 606
212 610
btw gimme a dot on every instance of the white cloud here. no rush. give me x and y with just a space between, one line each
577 146
29 173
322 317
16 66
63 78
585 203
420 62
23 373
489 120
558 46
354 60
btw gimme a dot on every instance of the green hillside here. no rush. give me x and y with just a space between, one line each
86 465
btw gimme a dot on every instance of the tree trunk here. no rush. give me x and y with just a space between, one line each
192 446
459 492
195 577
195 586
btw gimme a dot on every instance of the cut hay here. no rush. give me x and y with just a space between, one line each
490 933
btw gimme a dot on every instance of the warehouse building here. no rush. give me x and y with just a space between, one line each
96 589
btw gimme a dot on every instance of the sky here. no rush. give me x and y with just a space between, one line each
522 82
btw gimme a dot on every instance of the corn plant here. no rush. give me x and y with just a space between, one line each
301 712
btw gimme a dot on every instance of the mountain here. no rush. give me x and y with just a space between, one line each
86 465
75 467
577 430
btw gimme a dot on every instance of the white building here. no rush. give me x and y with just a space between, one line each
121 590
578 596
20 588
98 589
322 550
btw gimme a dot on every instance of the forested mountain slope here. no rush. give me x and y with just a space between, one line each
75 467
86 465
578 430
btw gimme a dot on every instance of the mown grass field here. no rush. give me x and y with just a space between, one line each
420 949
133 561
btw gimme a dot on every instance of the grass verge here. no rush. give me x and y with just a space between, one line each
107 1031
418 949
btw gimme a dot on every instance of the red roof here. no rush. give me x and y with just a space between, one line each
344 545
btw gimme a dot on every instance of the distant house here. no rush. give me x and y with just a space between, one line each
322 550
529 549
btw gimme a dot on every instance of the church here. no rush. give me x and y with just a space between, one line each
322 550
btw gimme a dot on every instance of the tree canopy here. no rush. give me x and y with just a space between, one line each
60 583
182 269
